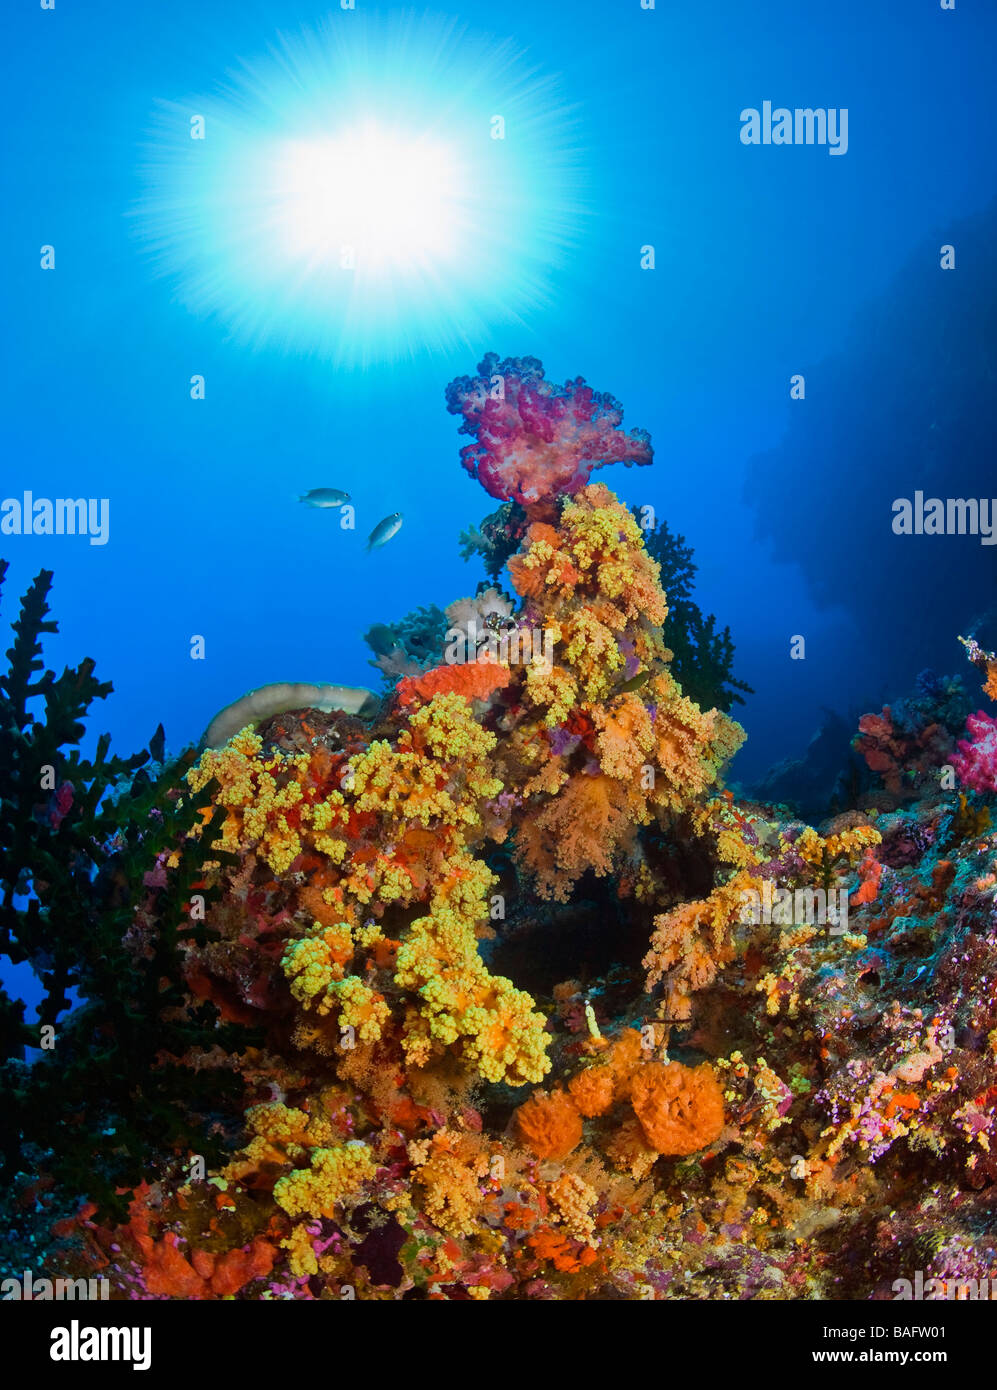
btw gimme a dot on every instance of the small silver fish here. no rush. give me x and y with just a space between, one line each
384 530
324 497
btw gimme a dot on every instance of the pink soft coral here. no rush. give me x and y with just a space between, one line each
538 440
976 762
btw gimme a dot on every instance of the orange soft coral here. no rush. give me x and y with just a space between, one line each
579 829
691 942
690 744
680 1109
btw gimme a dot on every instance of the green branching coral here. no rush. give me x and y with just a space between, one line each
79 905
703 658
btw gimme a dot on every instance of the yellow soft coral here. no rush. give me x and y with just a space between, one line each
553 690
574 1201
335 1173
847 845
314 966
656 753
301 1253
496 1025
597 549
360 1007
597 586
404 781
259 792
314 963
450 1168
280 1134
691 942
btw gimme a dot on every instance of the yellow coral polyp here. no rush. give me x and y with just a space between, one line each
499 1031
302 1260
603 540
258 794
335 1173
360 1007
437 772
315 963
574 1201
553 690
450 1169
848 844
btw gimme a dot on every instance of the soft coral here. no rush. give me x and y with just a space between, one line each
535 440
976 761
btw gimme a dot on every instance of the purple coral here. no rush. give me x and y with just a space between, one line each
976 761
535 440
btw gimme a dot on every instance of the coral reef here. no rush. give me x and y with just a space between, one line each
766 1052
908 742
281 698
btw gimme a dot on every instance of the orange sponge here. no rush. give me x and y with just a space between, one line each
681 1109
476 680
550 1125
592 1090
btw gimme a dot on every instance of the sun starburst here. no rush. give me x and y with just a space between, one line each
368 190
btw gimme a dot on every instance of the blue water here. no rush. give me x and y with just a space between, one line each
765 260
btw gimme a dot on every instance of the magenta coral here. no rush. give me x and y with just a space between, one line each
976 761
535 440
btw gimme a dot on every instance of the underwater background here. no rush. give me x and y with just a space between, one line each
175 347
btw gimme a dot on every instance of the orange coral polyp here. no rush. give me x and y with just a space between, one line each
990 684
